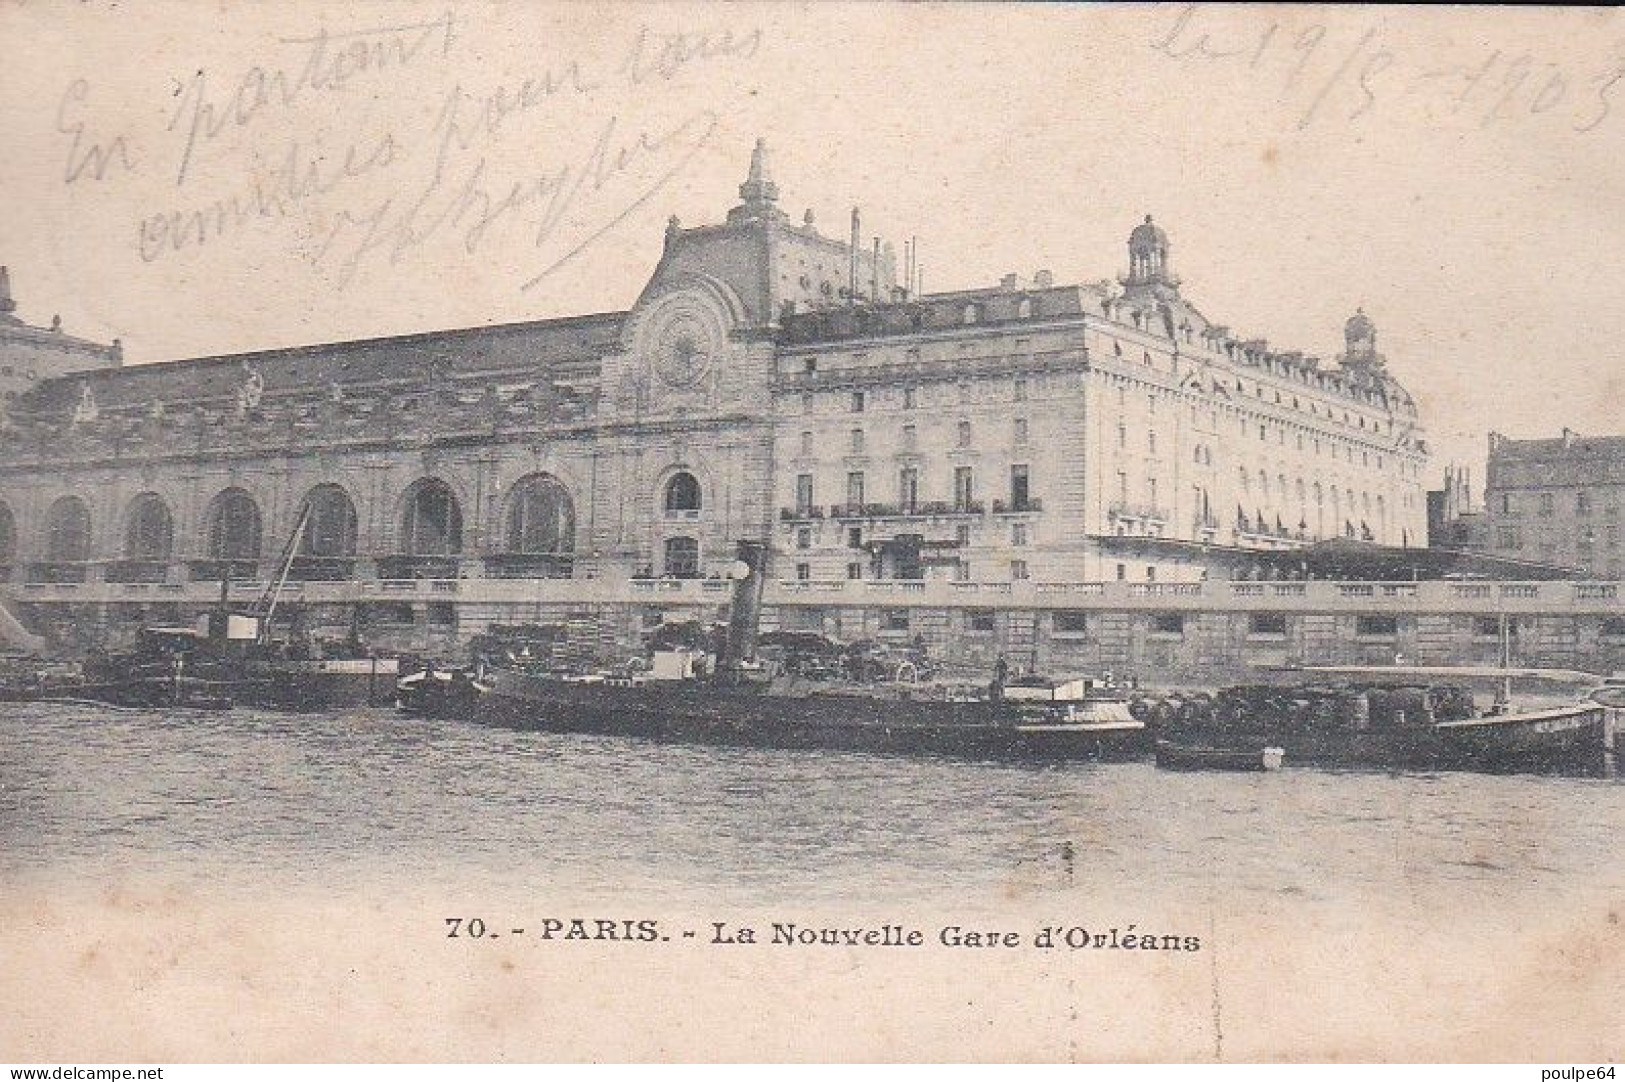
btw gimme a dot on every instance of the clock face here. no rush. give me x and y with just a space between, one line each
684 348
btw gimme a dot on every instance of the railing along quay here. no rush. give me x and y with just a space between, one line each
1532 598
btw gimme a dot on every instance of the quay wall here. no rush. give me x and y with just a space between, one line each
1162 633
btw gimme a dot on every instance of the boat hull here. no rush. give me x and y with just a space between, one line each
1566 740
1187 757
709 714
320 685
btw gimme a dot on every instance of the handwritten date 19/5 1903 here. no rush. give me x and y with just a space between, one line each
1331 73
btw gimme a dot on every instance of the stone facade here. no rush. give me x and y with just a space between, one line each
1557 501
769 383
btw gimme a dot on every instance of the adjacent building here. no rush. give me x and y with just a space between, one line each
31 355
1455 521
1557 501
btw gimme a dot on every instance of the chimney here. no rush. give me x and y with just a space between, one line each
852 257
1043 279
1008 282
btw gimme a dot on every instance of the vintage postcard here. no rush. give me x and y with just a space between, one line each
564 532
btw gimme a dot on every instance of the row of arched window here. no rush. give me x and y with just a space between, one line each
539 520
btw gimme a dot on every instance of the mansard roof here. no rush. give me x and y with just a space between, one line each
559 347
932 312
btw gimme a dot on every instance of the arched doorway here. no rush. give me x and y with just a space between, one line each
149 539
431 534
327 545
234 536
538 530
67 541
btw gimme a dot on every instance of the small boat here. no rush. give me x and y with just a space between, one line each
1097 726
1568 736
440 693
1172 756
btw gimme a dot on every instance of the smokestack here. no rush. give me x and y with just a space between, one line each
852 256
744 614
874 275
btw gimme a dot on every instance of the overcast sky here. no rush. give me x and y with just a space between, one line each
1457 173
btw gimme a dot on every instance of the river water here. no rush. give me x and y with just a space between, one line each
224 886
329 799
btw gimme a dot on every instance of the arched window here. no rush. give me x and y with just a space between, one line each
682 492
67 537
149 531
541 517
234 526
8 535
432 524
682 558
330 531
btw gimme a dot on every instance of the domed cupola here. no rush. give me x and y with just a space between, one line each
1148 260
1360 359
1360 335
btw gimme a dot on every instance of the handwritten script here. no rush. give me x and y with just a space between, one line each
1330 75
550 159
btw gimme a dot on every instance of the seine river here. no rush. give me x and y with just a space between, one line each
330 800
225 886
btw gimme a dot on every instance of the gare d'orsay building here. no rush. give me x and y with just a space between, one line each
769 382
